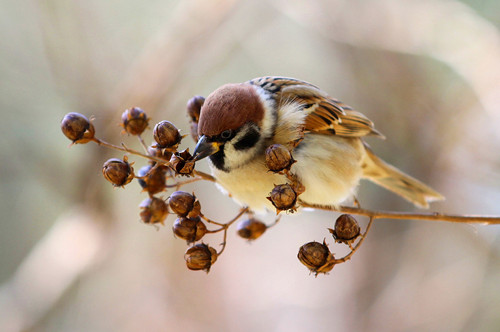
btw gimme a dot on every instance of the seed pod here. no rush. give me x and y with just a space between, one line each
166 135
153 210
251 229
278 158
346 229
183 163
153 179
316 257
77 128
118 172
184 204
134 121
283 198
193 110
189 229
200 257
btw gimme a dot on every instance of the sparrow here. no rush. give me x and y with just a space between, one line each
237 122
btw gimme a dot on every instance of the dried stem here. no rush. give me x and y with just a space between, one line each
433 216
141 140
124 148
224 227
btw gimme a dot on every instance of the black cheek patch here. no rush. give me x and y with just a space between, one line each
249 140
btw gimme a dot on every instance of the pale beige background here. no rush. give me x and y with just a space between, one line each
73 254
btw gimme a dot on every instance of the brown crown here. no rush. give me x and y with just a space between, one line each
230 107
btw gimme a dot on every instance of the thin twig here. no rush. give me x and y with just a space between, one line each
199 174
141 140
432 216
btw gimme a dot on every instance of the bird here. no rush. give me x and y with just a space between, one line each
238 121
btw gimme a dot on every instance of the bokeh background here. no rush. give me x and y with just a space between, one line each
74 255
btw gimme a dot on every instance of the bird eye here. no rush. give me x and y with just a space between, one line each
226 134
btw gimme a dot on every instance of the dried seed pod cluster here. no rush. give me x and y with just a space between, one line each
283 197
200 257
251 229
154 210
118 172
77 128
166 166
167 135
193 110
278 158
346 229
134 121
316 257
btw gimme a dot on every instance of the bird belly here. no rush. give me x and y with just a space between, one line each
328 166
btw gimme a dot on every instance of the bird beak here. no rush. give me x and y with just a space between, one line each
205 148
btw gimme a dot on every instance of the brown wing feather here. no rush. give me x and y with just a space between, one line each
325 114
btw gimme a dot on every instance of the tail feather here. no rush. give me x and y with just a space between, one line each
389 177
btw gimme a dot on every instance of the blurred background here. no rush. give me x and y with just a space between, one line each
74 255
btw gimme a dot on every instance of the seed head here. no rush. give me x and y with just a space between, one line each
153 210
193 110
134 121
189 229
278 158
283 198
166 135
184 204
316 257
118 172
183 163
346 229
77 128
152 179
200 257
251 229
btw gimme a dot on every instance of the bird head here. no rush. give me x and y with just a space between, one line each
234 122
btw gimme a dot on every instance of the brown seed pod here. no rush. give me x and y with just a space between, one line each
251 229
153 210
183 163
153 179
193 110
278 158
184 204
189 229
134 121
118 172
283 197
166 135
200 257
346 229
316 257
77 128
194 107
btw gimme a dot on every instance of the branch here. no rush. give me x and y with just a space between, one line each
434 216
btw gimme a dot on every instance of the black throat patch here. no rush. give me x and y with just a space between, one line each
217 159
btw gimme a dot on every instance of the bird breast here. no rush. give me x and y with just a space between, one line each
328 166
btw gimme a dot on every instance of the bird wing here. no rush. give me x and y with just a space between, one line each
324 113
